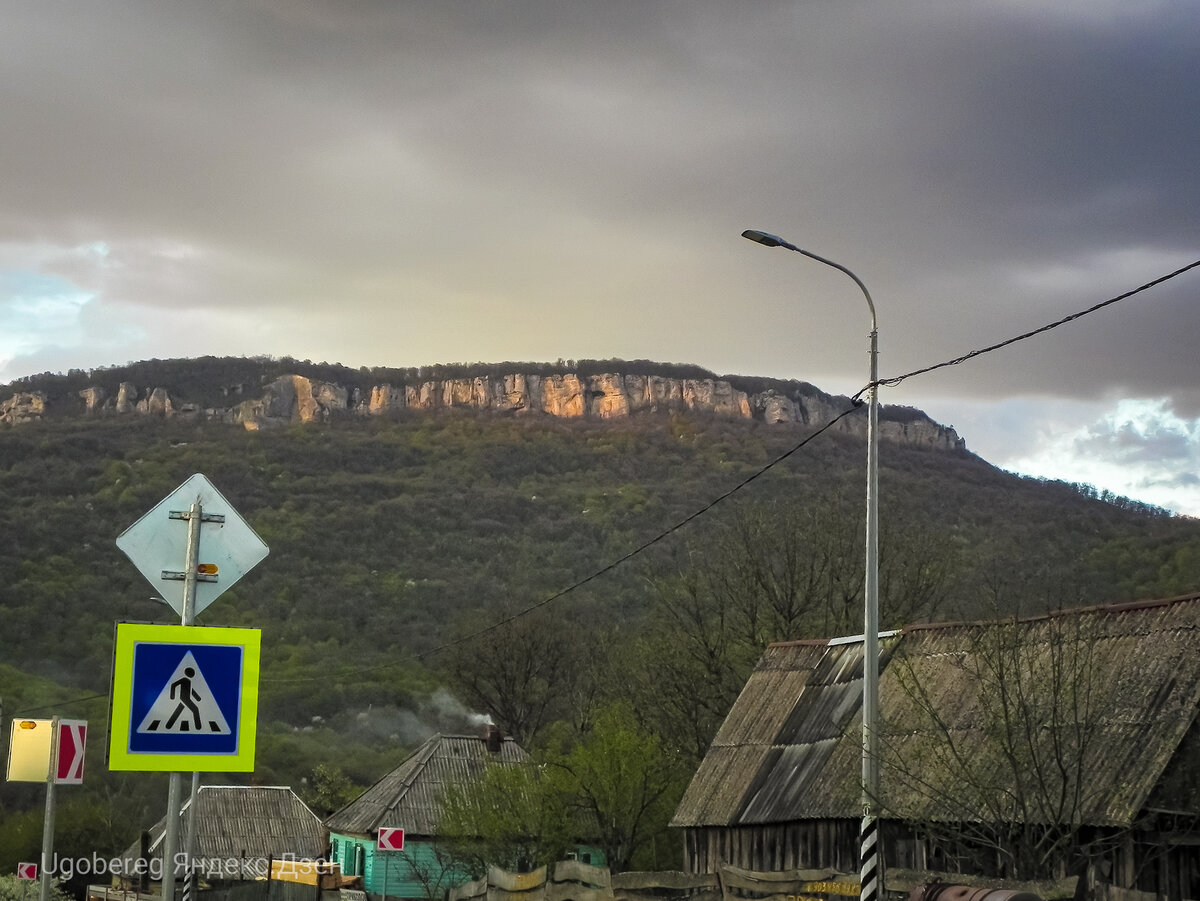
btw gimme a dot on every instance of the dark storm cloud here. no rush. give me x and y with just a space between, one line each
541 179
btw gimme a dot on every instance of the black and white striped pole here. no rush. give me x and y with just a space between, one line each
870 864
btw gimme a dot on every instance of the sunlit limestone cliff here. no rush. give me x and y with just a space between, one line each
297 398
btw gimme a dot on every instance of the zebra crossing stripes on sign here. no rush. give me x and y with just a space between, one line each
185 704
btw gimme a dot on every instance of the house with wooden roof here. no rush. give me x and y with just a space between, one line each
240 829
1064 744
410 798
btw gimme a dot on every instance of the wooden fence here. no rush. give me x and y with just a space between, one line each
573 881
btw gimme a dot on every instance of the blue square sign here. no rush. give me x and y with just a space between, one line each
184 698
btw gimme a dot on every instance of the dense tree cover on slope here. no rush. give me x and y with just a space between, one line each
392 542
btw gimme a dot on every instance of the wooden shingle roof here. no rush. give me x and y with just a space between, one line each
410 796
1110 690
245 823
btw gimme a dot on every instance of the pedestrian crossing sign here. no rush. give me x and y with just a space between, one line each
185 699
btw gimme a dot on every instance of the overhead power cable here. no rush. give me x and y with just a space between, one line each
896 380
856 400
56 706
645 545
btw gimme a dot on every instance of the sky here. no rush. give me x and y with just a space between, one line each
409 182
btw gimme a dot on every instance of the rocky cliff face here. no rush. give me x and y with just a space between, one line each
23 407
297 399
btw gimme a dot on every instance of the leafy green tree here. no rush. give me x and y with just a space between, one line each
14 889
622 781
616 786
328 789
513 817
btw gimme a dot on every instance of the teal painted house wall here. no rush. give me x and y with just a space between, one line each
394 872
359 856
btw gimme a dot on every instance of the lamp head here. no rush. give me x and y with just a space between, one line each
764 238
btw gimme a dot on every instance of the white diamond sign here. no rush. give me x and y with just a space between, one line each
157 544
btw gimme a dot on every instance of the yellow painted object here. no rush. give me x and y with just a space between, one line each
848 888
29 747
307 872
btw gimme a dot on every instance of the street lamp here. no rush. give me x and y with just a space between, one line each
869 836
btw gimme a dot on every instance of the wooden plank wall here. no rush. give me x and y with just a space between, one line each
811 844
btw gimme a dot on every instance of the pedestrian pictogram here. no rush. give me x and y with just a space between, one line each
184 698
185 704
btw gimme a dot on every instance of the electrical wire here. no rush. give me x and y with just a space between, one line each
607 568
57 706
856 402
896 380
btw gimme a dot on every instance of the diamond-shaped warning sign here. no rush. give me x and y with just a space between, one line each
157 544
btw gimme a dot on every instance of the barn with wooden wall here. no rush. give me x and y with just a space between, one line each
1077 730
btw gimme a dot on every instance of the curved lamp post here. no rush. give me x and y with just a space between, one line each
869 837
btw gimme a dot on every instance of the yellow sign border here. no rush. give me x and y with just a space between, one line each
129 635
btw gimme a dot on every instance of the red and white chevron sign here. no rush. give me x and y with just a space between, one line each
390 839
72 738
27 871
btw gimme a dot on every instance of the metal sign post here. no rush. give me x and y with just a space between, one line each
174 786
229 552
48 821
36 754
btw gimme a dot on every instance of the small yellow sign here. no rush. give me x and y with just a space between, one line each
29 750
185 699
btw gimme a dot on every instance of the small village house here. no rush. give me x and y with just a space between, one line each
410 798
1059 745
240 829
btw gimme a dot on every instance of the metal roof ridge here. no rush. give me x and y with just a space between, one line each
800 642
1117 607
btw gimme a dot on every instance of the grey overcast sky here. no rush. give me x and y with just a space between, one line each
405 182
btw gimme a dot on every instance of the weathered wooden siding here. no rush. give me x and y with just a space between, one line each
1162 861
808 844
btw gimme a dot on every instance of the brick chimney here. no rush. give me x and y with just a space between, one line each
493 737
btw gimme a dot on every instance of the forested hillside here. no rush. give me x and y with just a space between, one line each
404 549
